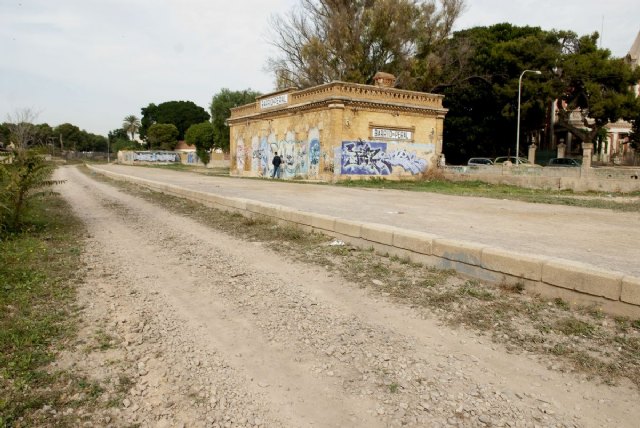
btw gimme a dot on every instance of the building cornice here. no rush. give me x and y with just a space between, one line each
351 95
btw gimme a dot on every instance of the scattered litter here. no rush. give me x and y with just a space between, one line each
336 243
237 275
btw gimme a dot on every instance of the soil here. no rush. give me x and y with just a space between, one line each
188 326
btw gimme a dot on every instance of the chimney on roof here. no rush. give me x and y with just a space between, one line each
384 80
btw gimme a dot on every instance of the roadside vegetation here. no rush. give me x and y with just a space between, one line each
565 337
39 269
38 275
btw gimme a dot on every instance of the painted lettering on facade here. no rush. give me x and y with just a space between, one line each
364 158
274 101
156 156
376 158
240 154
391 134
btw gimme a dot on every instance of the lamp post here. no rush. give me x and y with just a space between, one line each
519 96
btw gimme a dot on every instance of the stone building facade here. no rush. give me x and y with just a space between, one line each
337 131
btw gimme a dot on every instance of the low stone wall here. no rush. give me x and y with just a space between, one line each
621 179
613 292
129 157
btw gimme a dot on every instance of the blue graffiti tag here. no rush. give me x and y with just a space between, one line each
314 152
364 158
409 161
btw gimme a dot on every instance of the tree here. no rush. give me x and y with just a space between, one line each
162 136
70 136
92 142
480 84
481 87
182 114
131 124
220 109
597 86
117 134
119 140
351 40
22 128
76 139
201 136
634 138
149 115
5 134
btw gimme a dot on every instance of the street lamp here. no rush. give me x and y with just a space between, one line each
519 96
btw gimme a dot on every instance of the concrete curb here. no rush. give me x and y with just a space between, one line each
610 291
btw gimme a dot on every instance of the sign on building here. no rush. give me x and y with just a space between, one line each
391 134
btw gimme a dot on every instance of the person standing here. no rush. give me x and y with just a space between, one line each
276 165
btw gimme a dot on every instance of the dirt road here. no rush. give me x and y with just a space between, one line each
214 331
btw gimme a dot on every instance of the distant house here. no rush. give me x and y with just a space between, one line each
182 146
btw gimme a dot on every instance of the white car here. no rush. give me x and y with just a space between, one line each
512 159
479 162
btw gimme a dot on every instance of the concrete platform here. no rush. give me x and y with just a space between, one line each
587 256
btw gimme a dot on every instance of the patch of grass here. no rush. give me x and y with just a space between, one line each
104 340
517 288
37 274
393 388
560 349
562 304
572 326
470 288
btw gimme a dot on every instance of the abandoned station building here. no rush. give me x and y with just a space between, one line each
338 130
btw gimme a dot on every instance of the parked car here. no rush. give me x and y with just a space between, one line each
479 161
512 159
564 162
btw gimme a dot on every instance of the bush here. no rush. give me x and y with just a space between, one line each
20 181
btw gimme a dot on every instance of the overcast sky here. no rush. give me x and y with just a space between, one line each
93 62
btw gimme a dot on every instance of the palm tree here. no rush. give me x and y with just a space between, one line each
131 124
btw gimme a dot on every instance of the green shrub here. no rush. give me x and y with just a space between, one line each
20 181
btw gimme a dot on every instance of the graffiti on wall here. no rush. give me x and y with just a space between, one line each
294 155
376 158
156 156
240 154
409 161
192 158
314 152
363 157
306 157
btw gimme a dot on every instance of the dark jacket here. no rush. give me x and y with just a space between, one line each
276 161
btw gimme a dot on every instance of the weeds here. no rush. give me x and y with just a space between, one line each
37 269
470 288
574 327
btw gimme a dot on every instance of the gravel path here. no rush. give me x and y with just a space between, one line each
214 331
